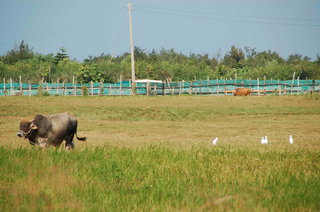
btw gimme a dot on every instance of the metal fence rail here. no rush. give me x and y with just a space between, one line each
201 87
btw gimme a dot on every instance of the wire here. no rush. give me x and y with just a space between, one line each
244 19
89 21
228 15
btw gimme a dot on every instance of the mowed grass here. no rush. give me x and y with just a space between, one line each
155 153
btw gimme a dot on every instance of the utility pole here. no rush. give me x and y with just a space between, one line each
133 76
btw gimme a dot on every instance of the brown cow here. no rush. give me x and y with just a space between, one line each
51 130
242 92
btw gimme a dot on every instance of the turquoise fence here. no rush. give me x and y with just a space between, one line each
202 87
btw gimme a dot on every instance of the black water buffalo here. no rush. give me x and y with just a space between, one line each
50 130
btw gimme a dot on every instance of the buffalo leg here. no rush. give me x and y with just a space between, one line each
70 142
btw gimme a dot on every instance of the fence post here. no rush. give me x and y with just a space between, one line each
298 84
182 87
169 85
39 89
20 84
64 88
225 88
75 88
4 86
47 87
100 88
285 89
264 84
57 87
172 89
29 88
258 86
147 88
91 87
163 88
218 88
208 87
292 83
11 91
155 89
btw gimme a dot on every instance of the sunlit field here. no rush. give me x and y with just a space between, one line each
156 153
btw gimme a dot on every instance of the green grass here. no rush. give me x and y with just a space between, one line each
159 178
155 154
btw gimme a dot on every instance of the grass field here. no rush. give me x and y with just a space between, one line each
155 153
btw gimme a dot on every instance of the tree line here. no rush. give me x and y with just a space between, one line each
166 65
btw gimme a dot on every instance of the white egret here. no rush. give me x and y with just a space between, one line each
290 139
214 141
266 140
262 140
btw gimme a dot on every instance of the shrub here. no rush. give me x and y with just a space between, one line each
84 90
40 90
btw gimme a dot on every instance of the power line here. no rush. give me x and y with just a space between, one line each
228 15
89 21
234 18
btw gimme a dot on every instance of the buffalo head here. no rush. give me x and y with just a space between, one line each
26 128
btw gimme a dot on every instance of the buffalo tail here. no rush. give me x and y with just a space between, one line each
81 138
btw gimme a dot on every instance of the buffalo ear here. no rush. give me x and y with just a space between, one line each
33 126
24 120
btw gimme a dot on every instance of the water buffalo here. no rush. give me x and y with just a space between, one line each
50 130
242 92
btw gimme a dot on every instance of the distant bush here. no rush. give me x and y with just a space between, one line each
46 93
165 65
313 96
84 90
40 90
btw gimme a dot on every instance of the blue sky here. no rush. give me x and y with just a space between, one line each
93 27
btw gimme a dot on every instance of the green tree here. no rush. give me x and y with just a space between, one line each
65 70
261 59
3 70
21 52
294 58
30 70
90 72
164 65
250 52
234 58
61 55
